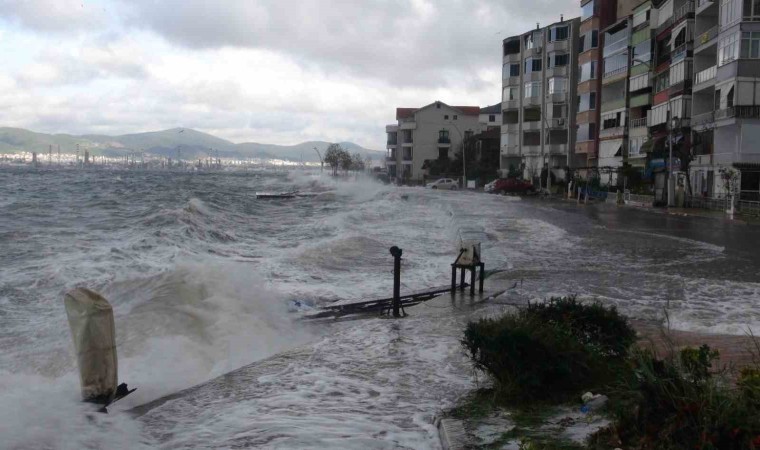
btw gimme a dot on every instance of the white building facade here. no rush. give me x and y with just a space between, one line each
424 135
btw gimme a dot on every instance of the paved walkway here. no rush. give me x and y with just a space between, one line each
735 351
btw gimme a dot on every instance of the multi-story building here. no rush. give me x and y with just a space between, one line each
435 132
725 112
538 100
596 15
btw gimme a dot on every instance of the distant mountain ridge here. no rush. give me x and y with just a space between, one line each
188 143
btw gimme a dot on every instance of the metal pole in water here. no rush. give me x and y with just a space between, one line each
396 252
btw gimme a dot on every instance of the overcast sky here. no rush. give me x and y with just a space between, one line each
272 71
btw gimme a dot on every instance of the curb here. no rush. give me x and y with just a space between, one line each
452 434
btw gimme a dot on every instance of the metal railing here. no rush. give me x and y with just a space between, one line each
702 119
709 203
747 207
638 199
639 123
392 142
407 157
680 52
444 140
615 72
686 9
742 112
706 75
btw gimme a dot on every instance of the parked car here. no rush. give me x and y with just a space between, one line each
444 183
512 186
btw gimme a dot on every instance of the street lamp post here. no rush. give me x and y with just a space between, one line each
675 122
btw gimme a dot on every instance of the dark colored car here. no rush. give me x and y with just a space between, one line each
512 186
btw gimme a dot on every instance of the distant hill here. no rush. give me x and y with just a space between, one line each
190 144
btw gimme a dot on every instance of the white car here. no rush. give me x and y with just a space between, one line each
444 183
490 186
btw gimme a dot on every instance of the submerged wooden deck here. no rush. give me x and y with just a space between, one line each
377 306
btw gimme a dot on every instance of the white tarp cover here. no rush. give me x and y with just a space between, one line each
92 327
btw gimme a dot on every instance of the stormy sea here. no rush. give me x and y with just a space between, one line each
203 278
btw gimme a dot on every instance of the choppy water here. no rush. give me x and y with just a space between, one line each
200 274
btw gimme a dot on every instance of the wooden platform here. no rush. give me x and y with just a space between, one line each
377 306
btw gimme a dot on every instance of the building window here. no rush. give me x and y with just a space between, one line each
557 59
730 98
491 118
446 117
588 71
587 10
558 33
615 64
588 41
728 49
587 101
532 65
586 132
455 117
514 70
642 52
510 93
662 82
730 12
557 85
750 45
641 17
751 10
532 89
613 120
533 40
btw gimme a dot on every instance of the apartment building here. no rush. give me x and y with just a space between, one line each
596 15
432 133
539 100
725 111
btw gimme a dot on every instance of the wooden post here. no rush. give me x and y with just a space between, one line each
453 278
482 275
461 279
396 252
472 280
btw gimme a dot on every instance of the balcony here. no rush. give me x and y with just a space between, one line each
408 142
706 75
510 150
639 123
392 143
559 122
681 52
390 160
407 157
685 11
706 37
410 125
739 112
510 127
704 119
612 132
444 141
618 45
557 149
609 105
532 125
531 150
616 73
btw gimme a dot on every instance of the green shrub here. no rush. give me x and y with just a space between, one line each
599 327
680 402
549 351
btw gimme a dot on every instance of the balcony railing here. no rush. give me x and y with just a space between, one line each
407 157
741 112
703 119
701 3
707 36
680 52
639 123
390 158
685 10
615 72
706 75
392 142
615 46
444 140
